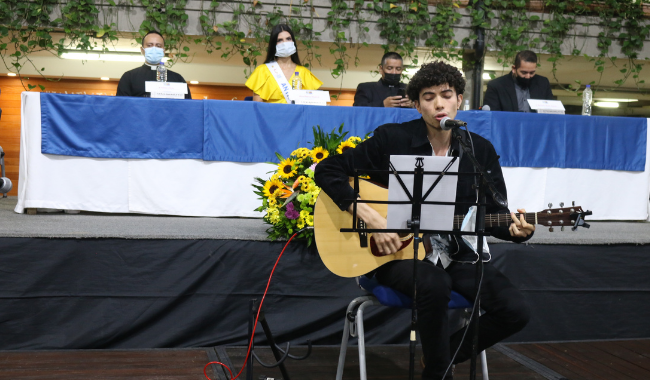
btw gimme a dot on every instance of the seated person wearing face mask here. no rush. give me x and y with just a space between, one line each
511 91
388 91
272 81
132 81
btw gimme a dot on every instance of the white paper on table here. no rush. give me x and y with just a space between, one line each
545 105
433 217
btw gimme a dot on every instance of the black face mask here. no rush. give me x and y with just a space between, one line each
523 82
392 79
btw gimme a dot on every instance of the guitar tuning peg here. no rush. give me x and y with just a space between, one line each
550 229
550 205
562 228
561 204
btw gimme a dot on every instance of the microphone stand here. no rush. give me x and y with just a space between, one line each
414 225
485 181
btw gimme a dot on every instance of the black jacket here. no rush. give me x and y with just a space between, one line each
372 94
502 96
132 81
409 138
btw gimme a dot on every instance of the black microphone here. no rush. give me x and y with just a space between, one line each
448 123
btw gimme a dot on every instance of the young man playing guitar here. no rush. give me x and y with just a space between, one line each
437 90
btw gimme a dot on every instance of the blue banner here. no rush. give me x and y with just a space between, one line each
569 141
253 132
121 127
218 130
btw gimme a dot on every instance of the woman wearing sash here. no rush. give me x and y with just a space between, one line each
271 82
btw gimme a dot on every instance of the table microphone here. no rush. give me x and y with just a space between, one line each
448 123
5 185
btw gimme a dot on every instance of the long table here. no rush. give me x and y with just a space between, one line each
82 153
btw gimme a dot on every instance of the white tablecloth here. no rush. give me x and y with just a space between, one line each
203 188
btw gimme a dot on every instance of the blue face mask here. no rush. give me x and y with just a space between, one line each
153 55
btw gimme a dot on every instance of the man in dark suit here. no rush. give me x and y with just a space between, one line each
386 91
132 81
511 91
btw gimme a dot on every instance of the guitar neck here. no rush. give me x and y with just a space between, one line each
497 220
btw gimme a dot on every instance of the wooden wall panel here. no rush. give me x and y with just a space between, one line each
11 88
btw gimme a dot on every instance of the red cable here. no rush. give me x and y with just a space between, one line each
256 318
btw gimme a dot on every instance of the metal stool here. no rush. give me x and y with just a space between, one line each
383 295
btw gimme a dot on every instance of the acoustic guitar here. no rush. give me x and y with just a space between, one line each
352 254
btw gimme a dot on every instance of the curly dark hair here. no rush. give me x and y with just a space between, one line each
435 74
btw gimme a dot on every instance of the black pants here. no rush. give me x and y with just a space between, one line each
505 309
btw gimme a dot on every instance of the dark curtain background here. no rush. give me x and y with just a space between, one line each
116 293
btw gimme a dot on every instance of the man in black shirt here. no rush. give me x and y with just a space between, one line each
512 91
132 81
385 92
438 90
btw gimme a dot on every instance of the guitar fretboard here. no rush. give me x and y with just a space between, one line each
496 220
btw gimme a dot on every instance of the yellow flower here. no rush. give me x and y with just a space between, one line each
307 186
314 195
272 214
354 139
304 214
309 220
272 210
302 179
300 224
285 168
300 152
318 154
271 186
272 201
345 145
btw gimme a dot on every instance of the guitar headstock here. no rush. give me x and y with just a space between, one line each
573 216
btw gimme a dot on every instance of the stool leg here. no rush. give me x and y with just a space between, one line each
344 349
362 345
484 366
346 334
362 341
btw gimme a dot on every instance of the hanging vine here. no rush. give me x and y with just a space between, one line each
512 34
208 23
80 22
338 20
25 29
442 41
556 28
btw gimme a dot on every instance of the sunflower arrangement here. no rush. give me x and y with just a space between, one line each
288 197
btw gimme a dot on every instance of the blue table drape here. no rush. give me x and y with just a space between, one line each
249 132
121 127
216 130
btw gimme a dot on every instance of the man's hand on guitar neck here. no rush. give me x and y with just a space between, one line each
520 227
387 243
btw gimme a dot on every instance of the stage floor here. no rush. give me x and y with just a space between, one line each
130 226
576 361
